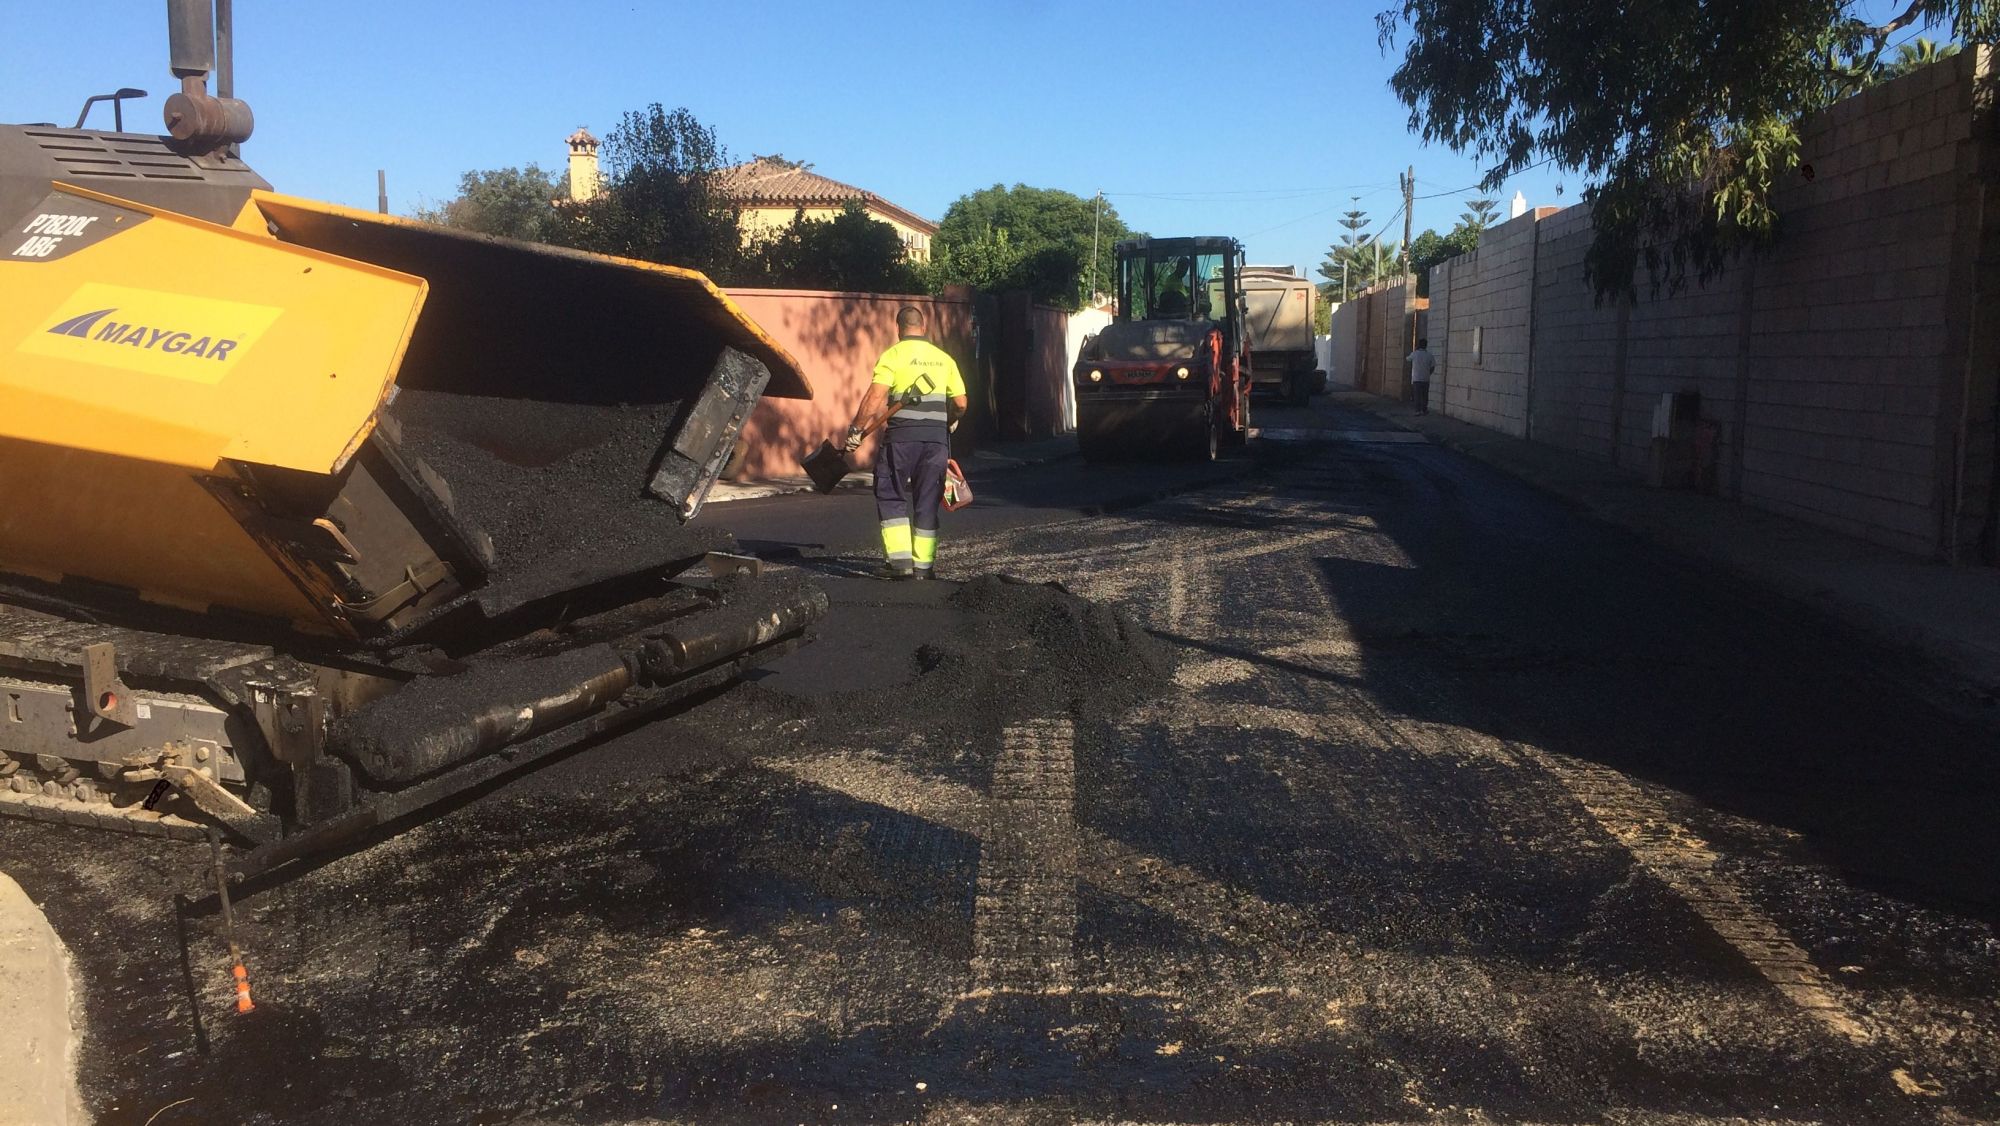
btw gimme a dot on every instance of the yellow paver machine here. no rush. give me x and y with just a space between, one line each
311 518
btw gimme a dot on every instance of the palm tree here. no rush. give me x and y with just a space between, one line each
1372 262
1916 54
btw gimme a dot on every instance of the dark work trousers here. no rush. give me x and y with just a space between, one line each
1420 396
909 491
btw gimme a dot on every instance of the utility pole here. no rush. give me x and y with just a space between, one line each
1409 266
1096 216
382 191
1409 204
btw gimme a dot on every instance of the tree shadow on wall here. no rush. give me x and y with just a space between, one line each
837 337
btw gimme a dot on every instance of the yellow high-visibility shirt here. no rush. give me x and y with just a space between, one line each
924 378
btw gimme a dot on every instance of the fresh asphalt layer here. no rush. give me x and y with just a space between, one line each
1426 799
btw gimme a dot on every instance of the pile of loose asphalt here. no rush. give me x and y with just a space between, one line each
390 985
559 487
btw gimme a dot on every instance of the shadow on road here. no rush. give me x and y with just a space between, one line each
1584 641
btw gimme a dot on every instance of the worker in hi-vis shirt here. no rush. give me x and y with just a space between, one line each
920 383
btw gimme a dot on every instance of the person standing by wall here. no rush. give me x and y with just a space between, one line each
918 389
1421 366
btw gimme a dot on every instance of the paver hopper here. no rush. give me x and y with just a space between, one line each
311 516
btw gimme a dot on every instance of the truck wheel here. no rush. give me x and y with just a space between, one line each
1298 391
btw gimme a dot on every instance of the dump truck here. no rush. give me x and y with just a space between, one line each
1280 306
1171 373
312 517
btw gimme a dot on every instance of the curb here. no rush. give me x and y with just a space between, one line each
1977 671
38 1085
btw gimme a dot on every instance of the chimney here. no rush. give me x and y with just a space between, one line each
583 179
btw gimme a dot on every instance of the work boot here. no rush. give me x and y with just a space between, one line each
926 573
895 574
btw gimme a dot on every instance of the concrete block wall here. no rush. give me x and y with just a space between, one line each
1389 373
1385 326
1370 335
1577 344
1855 323
1437 321
1844 371
1488 293
1688 343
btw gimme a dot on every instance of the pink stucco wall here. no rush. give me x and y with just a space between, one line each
836 338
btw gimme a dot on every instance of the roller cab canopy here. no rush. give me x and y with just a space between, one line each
352 424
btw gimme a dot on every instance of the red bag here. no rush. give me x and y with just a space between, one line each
957 494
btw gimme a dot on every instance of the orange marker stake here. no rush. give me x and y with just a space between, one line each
243 1004
236 970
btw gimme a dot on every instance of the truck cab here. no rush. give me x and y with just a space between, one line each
1171 373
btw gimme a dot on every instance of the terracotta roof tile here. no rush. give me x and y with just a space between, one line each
769 183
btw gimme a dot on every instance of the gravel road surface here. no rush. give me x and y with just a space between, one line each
1344 781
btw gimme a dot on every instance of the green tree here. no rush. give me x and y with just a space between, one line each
1387 265
1368 262
1028 238
662 200
516 203
1350 263
1852 73
1683 113
1430 248
1914 55
1479 214
1355 221
850 251
989 261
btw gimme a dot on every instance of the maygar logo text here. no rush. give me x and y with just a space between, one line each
151 332
99 326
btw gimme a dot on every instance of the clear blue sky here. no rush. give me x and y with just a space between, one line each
1254 119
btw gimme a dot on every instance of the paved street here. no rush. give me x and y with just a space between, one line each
1424 799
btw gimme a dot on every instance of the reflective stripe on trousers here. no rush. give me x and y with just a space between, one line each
896 545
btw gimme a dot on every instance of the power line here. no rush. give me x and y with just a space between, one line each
1289 222
1295 193
1478 185
1223 201
1322 211
1377 236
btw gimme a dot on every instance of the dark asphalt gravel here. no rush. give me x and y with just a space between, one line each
559 487
1433 802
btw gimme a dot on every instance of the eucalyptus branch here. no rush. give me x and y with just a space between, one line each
1908 17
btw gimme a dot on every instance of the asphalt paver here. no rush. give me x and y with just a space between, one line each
1350 782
